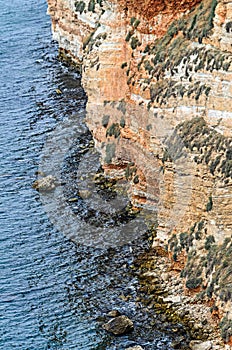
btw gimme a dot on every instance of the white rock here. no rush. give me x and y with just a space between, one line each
137 347
165 276
198 345
228 347
172 299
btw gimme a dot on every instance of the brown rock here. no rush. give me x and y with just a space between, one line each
114 313
119 325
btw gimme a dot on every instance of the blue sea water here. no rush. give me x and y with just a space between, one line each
52 292
36 262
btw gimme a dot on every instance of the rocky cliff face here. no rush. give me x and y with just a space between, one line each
158 75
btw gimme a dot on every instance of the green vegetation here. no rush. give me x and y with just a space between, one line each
122 107
209 241
100 3
91 6
124 64
175 53
229 27
134 22
209 268
166 156
209 205
122 122
193 283
110 152
113 130
226 328
136 179
90 40
202 21
105 120
129 35
130 171
79 6
210 148
212 264
147 49
134 42
148 66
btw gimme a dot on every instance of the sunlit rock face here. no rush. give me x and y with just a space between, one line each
164 63
158 75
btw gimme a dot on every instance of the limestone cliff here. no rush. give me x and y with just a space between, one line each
158 75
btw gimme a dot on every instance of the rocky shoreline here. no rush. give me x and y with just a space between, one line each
168 304
168 74
163 290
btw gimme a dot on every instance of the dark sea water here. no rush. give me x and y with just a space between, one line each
53 292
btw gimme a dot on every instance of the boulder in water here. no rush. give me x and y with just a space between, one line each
45 184
114 313
119 325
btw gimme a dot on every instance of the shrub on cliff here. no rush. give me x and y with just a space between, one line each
79 6
113 130
226 328
209 205
91 6
135 42
110 152
209 241
105 120
193 283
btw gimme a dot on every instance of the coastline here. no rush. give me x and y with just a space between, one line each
116 48
164 291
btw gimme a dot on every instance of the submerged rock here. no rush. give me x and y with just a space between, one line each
47 183
119 325
136 347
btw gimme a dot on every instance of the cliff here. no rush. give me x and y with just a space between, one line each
158 75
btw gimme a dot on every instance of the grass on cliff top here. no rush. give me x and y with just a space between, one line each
175 48
196 25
